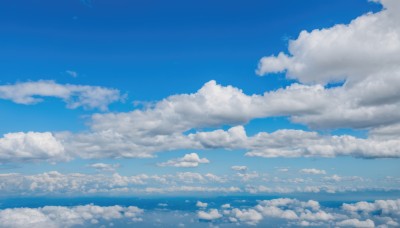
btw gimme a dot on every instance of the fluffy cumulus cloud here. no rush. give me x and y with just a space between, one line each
201 204
109 144
188 160
279 212
293 212
57 216
363 54
31 146
210 215
75 96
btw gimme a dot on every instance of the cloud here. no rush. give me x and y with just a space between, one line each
248 216
104 167
188 160
239 168
107 144
293 212
313 171
355 55
385 207
78 184
72 73
296 143
279 212
356 223
201 204
210 215
31 146
58 216
88 97
343 52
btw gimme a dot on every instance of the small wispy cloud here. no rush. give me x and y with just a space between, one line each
72 73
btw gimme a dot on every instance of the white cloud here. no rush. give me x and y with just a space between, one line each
283 170
239 168
293 212
104 167
364 54
248 216
31 146
201 204
210 215
295 143
188 160
281 211
57 216
385 207
75 96
342 52
313 171
356 223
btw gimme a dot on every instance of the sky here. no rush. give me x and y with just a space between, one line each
272 102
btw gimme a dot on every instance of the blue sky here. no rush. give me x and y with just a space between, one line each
202 98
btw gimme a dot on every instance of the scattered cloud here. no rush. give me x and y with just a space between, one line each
276 212
72 73
188 160
313 171
239 168
104 167
88 97
58 216
201 204
210 215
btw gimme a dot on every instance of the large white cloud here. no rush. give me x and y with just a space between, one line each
210 215
31 146
74 95
353 52
363 54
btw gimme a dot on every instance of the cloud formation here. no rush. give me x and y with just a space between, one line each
31 146
364 55
313 171
367 99
188 160
88 97
294 212
58 216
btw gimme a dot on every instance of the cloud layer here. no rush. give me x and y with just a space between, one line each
58 216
